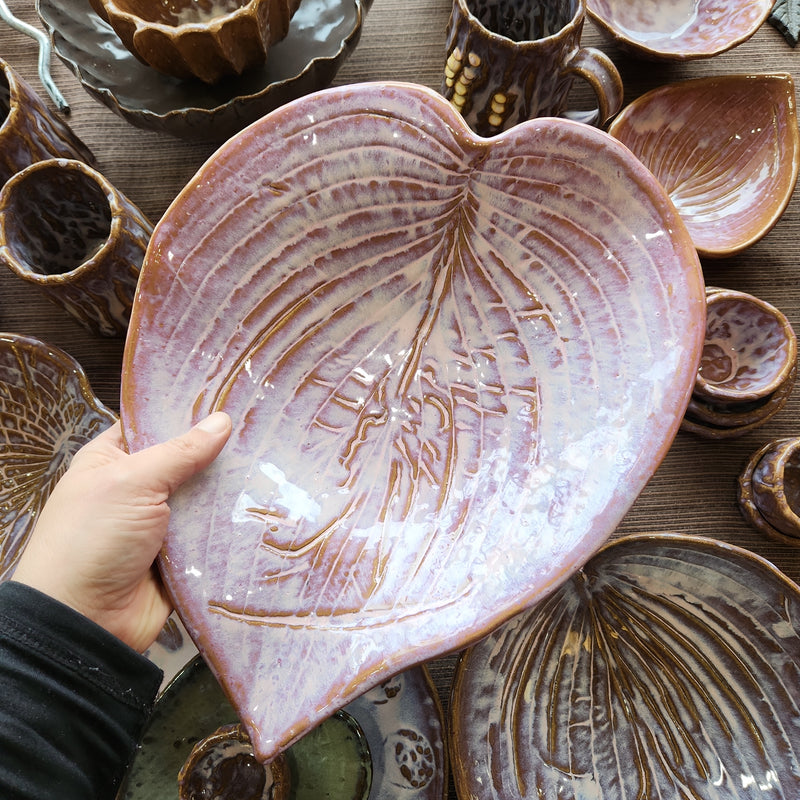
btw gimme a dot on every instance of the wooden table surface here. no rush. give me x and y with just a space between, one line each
694 489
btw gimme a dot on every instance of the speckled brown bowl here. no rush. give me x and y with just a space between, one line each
205 39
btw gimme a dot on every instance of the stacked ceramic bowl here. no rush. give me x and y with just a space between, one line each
748 367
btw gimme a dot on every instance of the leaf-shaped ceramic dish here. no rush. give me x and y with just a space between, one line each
452 363
47 413
725 148
668 667
678 29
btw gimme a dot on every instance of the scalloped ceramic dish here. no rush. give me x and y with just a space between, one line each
452 364
668 667
322 34
725 148
400 721
48 412
678 29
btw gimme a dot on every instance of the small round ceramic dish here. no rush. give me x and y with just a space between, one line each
769 490
322 34
668 667
726 149
396 313
385 745
678 29
48 411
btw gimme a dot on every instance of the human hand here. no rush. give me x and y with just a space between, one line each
101 529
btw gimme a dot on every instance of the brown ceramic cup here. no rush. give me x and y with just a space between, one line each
66 230
29 132
512 60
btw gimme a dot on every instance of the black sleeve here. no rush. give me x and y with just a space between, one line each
73 700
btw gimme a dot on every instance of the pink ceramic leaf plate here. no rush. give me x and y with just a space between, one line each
726 149
452 363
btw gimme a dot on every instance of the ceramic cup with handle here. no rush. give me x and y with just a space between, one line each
513 60
67 231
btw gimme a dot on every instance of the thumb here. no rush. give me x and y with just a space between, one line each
167 465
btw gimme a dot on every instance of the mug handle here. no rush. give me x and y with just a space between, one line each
598 70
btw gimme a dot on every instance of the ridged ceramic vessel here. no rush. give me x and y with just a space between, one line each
451 362
668 667
726 149
679 29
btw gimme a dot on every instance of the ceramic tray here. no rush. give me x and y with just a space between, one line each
400 721
322 35
452 363
668 667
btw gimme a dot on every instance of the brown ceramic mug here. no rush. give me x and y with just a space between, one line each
513 60
66 230
28 131
775 483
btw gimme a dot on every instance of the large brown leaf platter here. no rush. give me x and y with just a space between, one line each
452 364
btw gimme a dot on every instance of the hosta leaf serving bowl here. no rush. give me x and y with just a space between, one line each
452 363
726 149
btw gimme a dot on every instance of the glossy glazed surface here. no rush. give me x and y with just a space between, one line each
322 34
47 413
399 724
668 667
452 363
725 148
679 29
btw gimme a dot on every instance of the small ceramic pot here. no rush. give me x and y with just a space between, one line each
28 131
205 39
748 368
769 490
66 230
512 61
224 766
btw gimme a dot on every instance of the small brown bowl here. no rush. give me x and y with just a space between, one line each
199 38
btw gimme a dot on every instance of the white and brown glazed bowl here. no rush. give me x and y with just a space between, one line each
748 368
726 149
396 313
678 30
769 490
200 39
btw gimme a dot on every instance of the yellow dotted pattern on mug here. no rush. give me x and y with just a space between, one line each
498 110
459 76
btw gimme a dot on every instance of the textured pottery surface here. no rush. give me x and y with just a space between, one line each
452 363
669 667
750 348
47 413
725 148
769 490
66 231
387 744
679 29
322 34
508 61
205 39
28 131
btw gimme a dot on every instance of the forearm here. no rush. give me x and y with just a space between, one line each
73 700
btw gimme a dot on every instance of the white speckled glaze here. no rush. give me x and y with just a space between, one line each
452 364
726 149
679 29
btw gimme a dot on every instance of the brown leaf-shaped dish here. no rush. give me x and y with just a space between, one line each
452 364
678 30
726 149
48 412
668 667
322 34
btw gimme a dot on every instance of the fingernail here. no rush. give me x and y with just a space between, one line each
214 423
